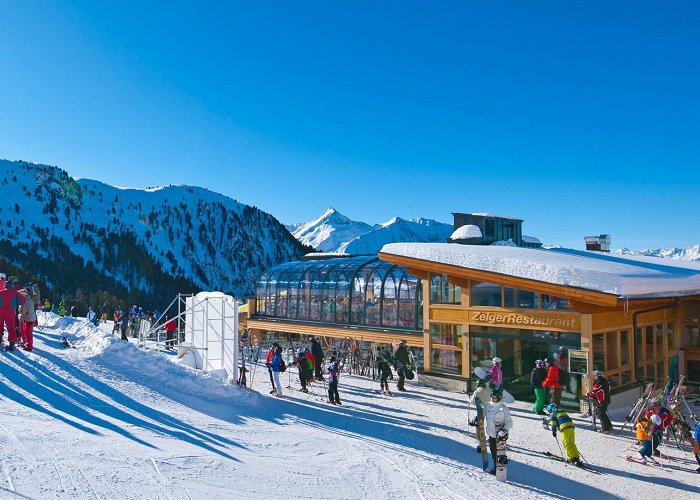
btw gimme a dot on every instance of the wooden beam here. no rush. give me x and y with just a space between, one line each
574 293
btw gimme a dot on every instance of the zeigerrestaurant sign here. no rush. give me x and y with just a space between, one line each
559 321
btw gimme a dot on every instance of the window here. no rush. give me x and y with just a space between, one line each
624 347
552 302
649 343
599 352
446 361
512 297
446 334
611 354
486 294
671 336
442 292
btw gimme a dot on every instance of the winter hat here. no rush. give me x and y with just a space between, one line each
551 408
539 362
497 393
597 373
481 383
497 360
656 420
300 351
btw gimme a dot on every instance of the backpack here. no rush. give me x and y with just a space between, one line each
283 367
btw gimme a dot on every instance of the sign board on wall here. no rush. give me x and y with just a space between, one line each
578 362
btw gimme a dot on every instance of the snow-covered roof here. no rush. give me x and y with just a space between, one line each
626 277
495 216
530 239
466 231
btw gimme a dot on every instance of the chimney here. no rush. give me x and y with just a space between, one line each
600 243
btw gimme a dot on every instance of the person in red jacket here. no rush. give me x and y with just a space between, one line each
170 328
9 300
268 363
552 381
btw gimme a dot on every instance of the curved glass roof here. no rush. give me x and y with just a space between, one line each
361 290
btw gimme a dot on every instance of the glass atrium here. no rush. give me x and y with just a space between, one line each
360 290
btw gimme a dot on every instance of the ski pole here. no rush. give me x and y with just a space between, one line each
556 438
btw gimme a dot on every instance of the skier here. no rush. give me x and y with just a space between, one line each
170 328
561 421
498 423
275 366
103 312
496 373
384 371
312 364
601 397
91 315
552 381
317 352
302 364
9 300
665 420
539 374
644 437
268 360
400 362
482 393
333 377
124 326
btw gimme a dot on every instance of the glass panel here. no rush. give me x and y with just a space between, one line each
625 378
599 352
660 372
390 304
671 336
442 292
446 334
447 361
552 302
659 350
611 346
649 343
512 297
624 347
639 339
485 294
651 371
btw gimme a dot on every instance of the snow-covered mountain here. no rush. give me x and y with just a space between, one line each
328 232
398 230
690 253
82 233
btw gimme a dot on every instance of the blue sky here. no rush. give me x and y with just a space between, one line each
580 117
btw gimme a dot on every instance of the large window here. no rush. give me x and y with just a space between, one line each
442 292
521 299
486 294
446 334
355 290
446 361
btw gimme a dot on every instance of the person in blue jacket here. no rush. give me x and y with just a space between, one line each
275 365
696 449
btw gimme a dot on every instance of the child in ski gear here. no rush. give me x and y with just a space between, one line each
496 373
302 363
552 381
400 363
312 364
333 377
384 371
498 422
601 398
561 421
665 419
539 374
644 437
275 365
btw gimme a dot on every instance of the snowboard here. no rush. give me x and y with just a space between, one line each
483 374
481 433
501 458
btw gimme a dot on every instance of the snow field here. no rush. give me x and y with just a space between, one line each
108 420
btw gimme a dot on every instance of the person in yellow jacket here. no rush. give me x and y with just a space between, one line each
644 430
560 421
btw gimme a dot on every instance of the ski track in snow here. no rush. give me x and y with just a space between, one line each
107 420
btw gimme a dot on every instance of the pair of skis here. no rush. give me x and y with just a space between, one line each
580 466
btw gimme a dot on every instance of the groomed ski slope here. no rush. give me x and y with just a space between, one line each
108 420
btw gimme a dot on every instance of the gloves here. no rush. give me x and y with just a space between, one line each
502 435
474 421
554 433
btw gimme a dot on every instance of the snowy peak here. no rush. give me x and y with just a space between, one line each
329 231
398 230
690 253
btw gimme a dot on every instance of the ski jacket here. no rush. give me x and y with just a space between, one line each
560 420
538 376
10 299
28 311
333 372
696 433
643 431
170 326
302 362
666 418
310 357
90 315
317 350
496 375
601 391
2 283
401 355
270 355
552 379
276 362
384 369
497 417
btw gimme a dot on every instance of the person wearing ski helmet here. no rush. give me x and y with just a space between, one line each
318 356
496 373
552 381
560 421
384 372
539 375
665 420
302 364
600 394
333 379
401 361
498 422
